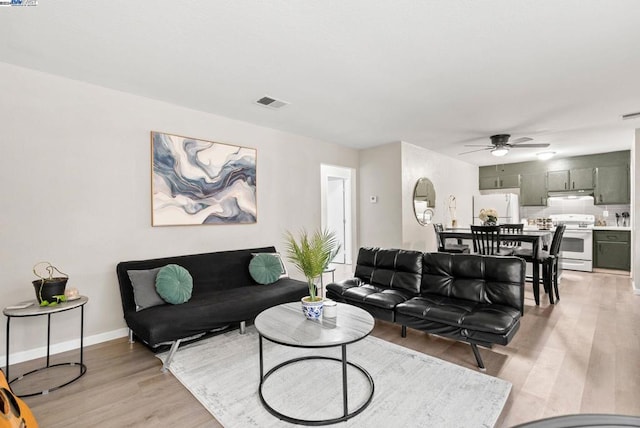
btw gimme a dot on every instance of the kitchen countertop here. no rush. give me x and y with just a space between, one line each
527 227
611 227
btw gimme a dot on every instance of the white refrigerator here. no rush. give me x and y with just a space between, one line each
506 204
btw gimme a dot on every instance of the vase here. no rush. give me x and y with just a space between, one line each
312 309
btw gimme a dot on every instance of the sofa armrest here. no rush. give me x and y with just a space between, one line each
349 282
336 289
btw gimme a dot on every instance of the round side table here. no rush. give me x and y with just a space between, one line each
35 311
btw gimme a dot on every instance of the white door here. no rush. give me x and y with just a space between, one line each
336 213
338 204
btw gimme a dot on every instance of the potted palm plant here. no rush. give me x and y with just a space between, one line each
311 254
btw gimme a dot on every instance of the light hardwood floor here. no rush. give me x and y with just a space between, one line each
579 356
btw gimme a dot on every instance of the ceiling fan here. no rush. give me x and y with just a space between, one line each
500 145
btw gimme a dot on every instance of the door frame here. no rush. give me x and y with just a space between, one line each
348 175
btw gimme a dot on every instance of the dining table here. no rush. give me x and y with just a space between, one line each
539 240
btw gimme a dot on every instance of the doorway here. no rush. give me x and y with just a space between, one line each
337 212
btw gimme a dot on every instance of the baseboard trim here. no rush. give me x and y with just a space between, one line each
635 289
57 348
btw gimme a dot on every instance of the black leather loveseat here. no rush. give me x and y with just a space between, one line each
472 298
223 293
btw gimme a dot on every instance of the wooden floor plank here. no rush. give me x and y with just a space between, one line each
581 355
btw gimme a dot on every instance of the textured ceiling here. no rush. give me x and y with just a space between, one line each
437 74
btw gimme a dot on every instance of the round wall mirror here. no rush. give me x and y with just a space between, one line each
424 200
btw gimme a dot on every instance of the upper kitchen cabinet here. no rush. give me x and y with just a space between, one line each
574 179
606 175
498 177
533 191
612 185
500 182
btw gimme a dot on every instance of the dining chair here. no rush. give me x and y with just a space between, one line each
532 255
550 264
511 229
486 240
443 247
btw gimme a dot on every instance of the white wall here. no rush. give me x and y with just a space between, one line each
390 172
75 172
380 175
449 176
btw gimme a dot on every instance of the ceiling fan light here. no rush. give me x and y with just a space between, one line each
545 155
500 151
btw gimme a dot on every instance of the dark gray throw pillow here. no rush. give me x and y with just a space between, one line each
144 288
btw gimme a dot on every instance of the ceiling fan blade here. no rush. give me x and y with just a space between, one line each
521 140
516 146
478 145
478 150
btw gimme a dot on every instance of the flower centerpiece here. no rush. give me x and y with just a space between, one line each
311 254
488 216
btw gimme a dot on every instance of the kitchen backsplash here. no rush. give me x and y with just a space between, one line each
576 206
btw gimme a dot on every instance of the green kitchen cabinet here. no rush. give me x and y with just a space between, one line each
581 178
533 191
557 180
506 181
612 185
607 174
574 179
612 249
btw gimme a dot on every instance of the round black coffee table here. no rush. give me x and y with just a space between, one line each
286 325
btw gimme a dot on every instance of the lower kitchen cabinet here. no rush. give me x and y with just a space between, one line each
612 249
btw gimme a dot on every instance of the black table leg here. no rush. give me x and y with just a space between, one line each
6 369
82 335
536 281
48 337
261 360
344 380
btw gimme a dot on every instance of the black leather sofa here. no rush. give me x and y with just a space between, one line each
471 298
223 294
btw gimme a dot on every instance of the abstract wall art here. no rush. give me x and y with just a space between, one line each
201 182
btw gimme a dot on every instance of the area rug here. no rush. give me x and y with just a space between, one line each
411 389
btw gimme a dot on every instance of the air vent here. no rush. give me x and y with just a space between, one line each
631 116
271 102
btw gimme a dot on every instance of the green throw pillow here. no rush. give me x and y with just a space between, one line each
174 284
265 268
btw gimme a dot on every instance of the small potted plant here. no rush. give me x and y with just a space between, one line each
311 254
49 289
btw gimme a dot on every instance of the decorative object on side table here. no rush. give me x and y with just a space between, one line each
72 294
452 211
49 289
311 254
489 216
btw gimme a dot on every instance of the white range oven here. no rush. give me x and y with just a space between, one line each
576 249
